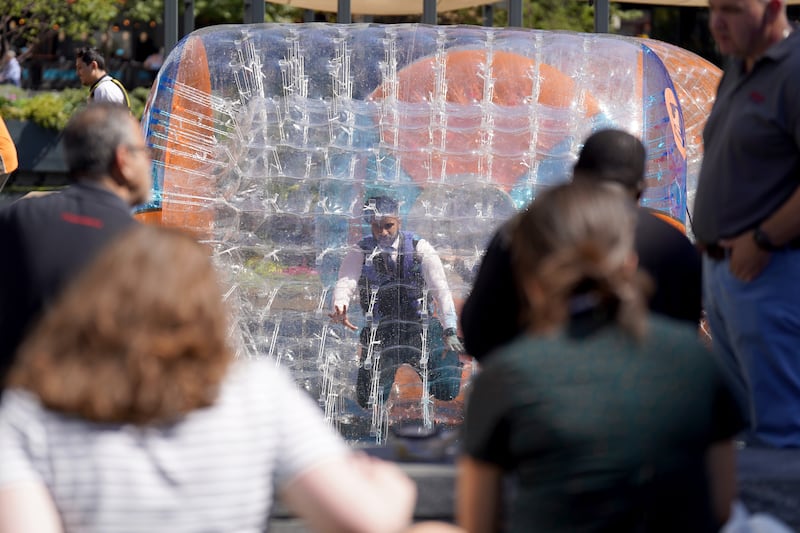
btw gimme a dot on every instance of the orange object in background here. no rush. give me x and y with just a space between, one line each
404 400
186 189
8 151
695 80
669 220
415 140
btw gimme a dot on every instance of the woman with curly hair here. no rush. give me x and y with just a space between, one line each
126 412
608 419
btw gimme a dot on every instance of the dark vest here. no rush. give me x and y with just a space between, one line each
400 290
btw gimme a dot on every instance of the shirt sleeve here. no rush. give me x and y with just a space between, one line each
436 280
305 439
21 435
349 272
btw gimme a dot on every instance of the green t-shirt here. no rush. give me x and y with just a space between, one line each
601 432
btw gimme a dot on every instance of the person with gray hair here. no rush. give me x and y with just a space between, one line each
47 240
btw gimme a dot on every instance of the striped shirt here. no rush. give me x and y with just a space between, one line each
216 470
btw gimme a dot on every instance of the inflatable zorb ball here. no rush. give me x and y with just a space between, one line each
270 138
695 80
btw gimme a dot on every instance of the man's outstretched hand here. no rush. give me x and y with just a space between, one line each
339 316
452 342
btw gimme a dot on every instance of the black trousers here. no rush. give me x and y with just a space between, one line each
400 342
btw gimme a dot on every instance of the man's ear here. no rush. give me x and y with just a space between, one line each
533 291
640 186
631 263
119 168
773 10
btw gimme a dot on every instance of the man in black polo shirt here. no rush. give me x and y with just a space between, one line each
747 213
47 240
491 314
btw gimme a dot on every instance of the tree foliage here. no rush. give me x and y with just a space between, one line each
52 109
208 12
574 15
25 22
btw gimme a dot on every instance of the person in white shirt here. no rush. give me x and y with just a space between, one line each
10 71
398 277
91 69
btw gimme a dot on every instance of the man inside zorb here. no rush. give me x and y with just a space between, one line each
399 277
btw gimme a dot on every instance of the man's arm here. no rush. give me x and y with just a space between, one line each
490 316
436 280
783 226
349 272
334 488
355 493
28 507
721 466
478 495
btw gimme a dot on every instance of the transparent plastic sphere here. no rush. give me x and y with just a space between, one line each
269 138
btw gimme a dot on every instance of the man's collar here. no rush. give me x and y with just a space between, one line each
395 244
781 49
101 193
98 80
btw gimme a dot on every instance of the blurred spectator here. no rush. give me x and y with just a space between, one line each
10 71
490 317
609 420
747 214
47 240
129 413
144 48
154 61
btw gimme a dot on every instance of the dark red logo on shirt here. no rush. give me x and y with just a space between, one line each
757 97
82 220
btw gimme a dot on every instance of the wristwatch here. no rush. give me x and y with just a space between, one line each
763 241
449 332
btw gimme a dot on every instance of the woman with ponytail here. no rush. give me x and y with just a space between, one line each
606 418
